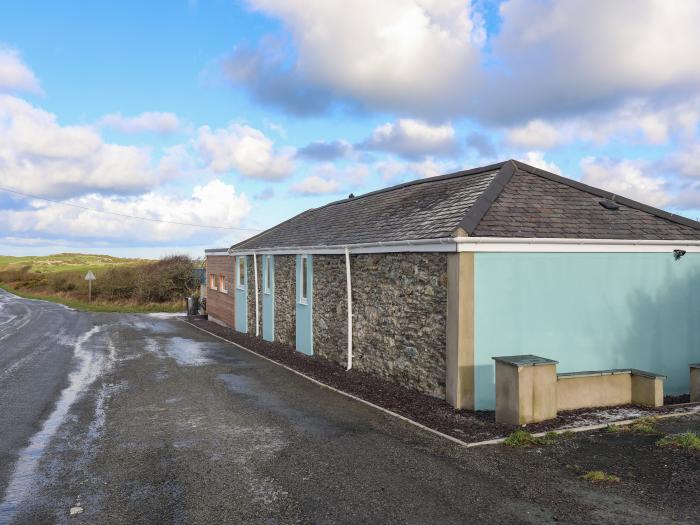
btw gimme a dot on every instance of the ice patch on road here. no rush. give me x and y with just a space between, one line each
165 315
89 368
184 351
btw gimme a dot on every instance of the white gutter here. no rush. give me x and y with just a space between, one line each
255 270
444 244
487 244
349 290
568 245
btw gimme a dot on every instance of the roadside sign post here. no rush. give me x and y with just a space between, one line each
89 277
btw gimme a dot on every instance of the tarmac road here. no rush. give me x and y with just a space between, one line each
144 419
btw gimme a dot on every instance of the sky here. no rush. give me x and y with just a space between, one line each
215 119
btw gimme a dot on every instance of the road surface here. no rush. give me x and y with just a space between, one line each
144 419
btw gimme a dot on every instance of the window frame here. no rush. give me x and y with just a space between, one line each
240 272
267 280
223 288
213 284
304 278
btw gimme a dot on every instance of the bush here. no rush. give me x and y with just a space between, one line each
165 281
169 279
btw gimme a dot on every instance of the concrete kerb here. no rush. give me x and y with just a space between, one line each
455 440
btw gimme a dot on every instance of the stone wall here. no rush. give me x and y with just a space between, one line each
221 306
330 325
285 299
399 316
251 295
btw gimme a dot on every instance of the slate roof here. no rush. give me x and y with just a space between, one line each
509 199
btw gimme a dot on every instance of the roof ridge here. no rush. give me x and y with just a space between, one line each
472 217
598 192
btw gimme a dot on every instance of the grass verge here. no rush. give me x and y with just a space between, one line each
96 306
523 438
685 441
599 476
644 425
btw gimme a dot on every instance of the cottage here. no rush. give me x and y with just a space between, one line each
425 282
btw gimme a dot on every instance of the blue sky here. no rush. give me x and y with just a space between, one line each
241 114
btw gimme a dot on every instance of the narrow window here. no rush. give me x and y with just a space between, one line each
267 274
223 285
304 296
212 281
241 273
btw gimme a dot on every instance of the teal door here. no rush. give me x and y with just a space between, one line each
242 294
268 300
304 304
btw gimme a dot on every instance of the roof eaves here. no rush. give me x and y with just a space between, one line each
258 235
474 215
679 219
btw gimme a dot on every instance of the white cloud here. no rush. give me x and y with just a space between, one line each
215 203
176 162
625 178
567 56
685 161
396 53
14 74
315 185
244 149
392 169
636 120
413 138
534 134
38 155
158 122
433 58
536 159
329 178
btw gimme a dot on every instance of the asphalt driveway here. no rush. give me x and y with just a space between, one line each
144 419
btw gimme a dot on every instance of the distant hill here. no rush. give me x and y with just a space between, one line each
63 262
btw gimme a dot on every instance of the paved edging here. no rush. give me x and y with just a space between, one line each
458 441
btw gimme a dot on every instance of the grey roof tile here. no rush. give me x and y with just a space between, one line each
509 199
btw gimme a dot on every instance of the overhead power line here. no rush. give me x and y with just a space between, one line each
124 215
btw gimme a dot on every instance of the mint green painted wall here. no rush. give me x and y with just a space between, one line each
589 311
241 296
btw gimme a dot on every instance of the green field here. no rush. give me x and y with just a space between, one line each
62 262
122 285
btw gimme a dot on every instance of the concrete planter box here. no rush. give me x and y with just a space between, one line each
528 389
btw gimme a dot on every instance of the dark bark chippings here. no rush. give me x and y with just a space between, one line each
467 425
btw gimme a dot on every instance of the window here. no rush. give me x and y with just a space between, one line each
304 292
267 278
241 273
223 285
212 281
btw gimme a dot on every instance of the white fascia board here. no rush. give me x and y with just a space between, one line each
422 245
539 245
490 244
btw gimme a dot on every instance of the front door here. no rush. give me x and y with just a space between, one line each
242 293
304 275
268 301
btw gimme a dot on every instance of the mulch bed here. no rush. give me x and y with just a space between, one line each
467 425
